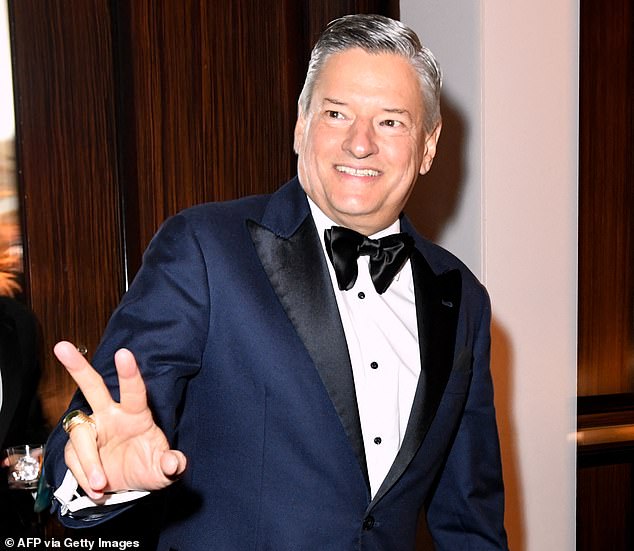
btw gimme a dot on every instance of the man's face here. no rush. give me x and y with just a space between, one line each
362 143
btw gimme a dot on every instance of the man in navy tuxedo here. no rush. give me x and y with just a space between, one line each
301 371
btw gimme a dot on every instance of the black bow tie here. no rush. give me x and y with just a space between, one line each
387 256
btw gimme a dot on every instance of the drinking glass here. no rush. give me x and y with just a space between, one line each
25 466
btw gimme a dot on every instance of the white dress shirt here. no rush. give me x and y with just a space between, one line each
382 336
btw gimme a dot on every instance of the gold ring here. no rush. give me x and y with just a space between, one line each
74 418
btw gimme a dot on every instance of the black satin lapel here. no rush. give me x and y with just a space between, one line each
299 275
437 309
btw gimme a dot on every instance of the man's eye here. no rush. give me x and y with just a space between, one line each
334 114
391 123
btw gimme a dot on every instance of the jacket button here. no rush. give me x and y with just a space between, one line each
368 523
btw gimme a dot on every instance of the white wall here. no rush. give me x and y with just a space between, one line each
511 87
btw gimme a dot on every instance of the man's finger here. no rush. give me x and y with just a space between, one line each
72 462
76 467
173 463
84 439
133 397
88 380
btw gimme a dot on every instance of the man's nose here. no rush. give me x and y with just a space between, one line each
361 139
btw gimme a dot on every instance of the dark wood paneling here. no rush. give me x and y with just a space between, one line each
67 174
606 276
604 513
606 198
205 106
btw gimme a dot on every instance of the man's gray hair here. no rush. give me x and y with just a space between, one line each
377 34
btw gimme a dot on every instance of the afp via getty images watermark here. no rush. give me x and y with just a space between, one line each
69 543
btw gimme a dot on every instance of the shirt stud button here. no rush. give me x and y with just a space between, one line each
374 365
378 440
361 295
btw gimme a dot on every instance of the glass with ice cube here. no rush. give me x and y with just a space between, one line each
25 466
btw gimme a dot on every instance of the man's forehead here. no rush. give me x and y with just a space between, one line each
356 64
355 76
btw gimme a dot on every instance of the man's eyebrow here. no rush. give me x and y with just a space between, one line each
334 101
398 111
394 110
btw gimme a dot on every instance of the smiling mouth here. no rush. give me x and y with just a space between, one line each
356 171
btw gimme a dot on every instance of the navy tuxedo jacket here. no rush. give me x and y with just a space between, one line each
234 323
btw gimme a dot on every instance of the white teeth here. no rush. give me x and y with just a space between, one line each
357 172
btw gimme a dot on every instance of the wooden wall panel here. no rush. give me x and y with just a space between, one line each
67 175
205 104
604 512
606 276
606 198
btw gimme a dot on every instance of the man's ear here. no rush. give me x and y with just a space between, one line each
300 125
430 149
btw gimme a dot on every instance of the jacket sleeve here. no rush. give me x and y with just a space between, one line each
163 319
466 510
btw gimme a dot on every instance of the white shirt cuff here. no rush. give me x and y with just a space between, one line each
71 501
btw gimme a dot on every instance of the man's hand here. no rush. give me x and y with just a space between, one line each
125 450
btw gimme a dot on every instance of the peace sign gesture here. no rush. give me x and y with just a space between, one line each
124 449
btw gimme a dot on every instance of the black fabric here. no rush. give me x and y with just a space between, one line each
21 420
387 256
